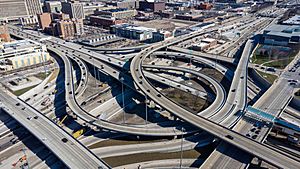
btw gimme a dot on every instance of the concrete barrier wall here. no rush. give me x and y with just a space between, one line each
295 103
262 81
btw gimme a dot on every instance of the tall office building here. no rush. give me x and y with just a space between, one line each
53 6
33 7
15 9
74 9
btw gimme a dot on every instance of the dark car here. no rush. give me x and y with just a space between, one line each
64 140
229 136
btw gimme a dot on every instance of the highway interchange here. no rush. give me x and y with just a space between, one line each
224 114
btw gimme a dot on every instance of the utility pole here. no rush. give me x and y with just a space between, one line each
43 60
181 148
123 100
95 76
146 118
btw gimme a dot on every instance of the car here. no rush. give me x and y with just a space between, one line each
64 140
18 104
36 117
29 118
23 108
270 69
229 136
248 135
254 136
253 129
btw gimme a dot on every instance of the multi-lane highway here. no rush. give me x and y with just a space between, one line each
72 153
225 134
238 88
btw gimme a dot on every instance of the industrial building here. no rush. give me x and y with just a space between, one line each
17 54
139 33
282 35
15 9
133 32
89 9
120 13
129 4
99 39
205 44
104 22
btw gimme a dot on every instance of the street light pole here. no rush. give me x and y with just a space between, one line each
181 149
95 76
146 118
123 100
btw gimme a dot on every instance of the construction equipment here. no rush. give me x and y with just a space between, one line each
79 133
21 160
60 122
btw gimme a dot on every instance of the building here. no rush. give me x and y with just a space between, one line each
205 6
205 44
44 20
15 9
33 7
282 35
188 17
153 6
133 32
105 22
139 33
74 9
59 16
230 1
4 34
120 13
53 6
295 20
68 29
30 20
128 4
17 54
78 26
99 39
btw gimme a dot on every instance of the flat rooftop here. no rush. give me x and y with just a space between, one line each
295 20
283 30
16 45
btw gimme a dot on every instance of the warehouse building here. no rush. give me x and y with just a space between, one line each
282 35
17 54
